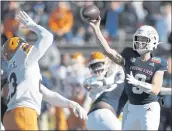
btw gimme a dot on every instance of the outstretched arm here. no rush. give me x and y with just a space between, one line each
165 91
45 38
111 53
57 100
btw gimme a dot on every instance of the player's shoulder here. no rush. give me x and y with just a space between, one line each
160 62
129 52
128 49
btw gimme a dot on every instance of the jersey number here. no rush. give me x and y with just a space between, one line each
13 80
140 77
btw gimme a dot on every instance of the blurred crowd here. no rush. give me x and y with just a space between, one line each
64 73
119 19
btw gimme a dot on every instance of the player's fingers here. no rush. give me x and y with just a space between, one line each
128 76
75 112
25 14
18 16
85 116
20 20
80 113
129 82
127 79
99 18
22 15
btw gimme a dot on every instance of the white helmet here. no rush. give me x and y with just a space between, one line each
145 39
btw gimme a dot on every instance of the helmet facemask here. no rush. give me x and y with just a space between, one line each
98 69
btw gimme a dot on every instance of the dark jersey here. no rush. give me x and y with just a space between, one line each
116 98
143 71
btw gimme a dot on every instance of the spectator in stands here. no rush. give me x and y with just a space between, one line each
112 19
153 10
40 16
61 20
3 36
79 37
10 24
43 118
128 18
50 58
138 5
163 25
59 74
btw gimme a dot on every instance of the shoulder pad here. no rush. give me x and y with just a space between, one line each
128 51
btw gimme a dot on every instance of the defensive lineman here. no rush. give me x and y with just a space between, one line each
25 91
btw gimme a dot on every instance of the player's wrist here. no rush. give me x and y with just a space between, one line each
145 86
32 26
71 104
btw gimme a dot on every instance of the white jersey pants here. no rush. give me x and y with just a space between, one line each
103 119
141 117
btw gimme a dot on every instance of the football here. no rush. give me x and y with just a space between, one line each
91 12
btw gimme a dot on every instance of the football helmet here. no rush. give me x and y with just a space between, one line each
97 64
145 39
78 57
10 47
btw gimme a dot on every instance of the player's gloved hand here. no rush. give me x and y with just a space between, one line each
132 80
78 110
94 82
23 18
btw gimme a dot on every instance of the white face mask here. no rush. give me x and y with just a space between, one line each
98 69
140 44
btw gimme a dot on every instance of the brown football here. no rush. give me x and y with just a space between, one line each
91 12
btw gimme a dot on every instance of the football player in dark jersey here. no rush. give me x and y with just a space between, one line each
144 75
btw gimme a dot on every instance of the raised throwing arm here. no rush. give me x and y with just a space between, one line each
111 53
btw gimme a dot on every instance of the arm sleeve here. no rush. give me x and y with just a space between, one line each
42 44
54 98
165 91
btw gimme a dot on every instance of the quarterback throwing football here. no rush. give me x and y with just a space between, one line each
25 91
144 75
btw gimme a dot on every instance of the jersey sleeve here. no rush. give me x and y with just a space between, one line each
163 65
124 52
45 39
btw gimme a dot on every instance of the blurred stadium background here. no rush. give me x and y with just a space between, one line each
71 35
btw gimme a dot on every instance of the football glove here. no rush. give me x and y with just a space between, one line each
78 110
23 18
94 82
132 80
